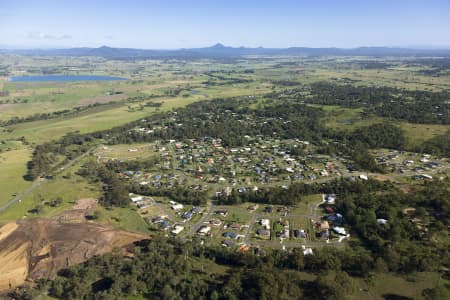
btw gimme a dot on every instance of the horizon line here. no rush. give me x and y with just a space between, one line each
412 47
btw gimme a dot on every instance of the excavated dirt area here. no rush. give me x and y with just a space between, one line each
39 247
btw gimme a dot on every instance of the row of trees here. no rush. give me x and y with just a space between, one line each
179 194
293 194
51 115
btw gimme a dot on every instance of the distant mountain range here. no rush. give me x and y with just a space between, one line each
221 51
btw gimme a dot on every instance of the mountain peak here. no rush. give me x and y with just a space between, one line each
218 45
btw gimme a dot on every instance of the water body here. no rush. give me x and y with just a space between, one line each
63 78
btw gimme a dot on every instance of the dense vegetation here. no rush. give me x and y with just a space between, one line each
115 189
413 106
168 269
293 194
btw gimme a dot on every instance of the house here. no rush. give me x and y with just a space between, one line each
308 251
164 225
382 221
204 230
244 248
187 215
176 206
363 177
300 233
227 243
253 207
329 210
335 218
235 226
263 232
215 222
330 198
177 229
325 234
265 223
158 219
137 198
231 235
222 213
284 234
339 230
324 225
242 190
268 209
426 177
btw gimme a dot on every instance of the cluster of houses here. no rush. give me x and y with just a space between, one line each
263 232
164 224
260 162
331 221
186 215
417 166
141 201
230 232
282 231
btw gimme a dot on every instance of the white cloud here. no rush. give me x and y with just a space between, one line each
45 36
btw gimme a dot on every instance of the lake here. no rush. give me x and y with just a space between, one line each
64 78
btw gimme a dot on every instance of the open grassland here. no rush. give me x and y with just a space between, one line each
350 119
418 133
13 167
67 186
126 152
124 218
99 118
392 286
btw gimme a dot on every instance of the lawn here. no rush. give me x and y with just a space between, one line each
303 207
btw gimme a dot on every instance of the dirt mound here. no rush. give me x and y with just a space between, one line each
38 248
86 203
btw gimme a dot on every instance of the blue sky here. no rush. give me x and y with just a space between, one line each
197 23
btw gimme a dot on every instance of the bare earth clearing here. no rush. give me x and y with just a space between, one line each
39 247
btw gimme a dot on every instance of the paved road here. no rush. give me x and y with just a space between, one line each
195 227
38 182
249 229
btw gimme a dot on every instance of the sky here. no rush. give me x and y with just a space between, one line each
173 24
